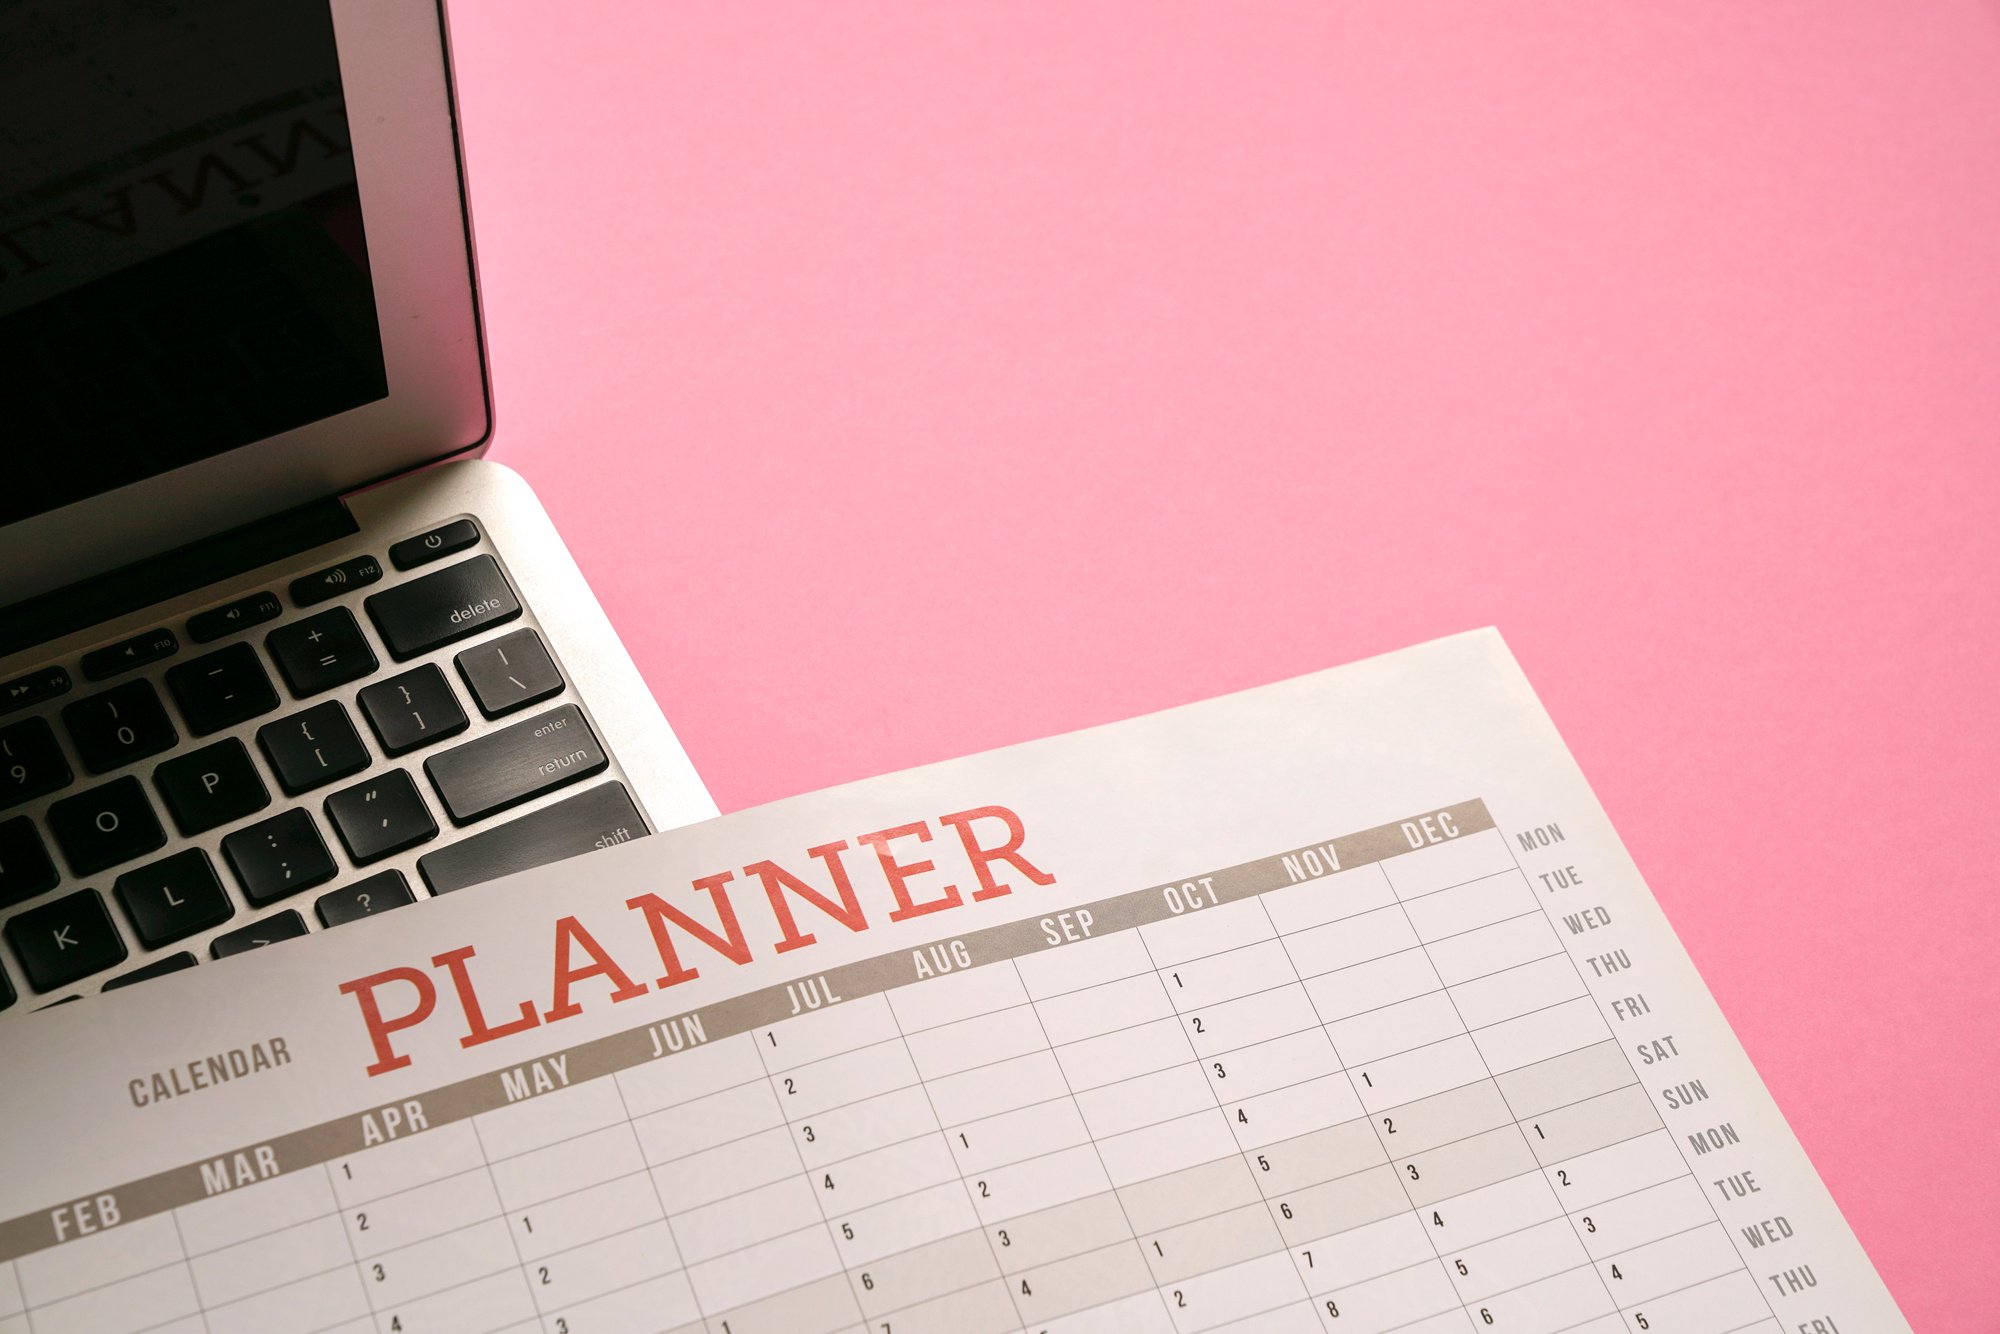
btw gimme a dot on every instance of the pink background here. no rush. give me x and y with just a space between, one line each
915 379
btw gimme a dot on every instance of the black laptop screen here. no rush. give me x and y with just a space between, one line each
183 268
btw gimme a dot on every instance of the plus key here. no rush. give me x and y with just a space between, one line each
320 652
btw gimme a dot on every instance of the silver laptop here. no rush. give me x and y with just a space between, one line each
278 651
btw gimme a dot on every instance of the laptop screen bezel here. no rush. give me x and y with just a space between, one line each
402 118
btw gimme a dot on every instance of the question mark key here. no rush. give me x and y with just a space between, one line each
371 897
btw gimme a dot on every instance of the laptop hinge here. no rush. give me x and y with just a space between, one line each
104 597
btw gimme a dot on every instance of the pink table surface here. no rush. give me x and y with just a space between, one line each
914 379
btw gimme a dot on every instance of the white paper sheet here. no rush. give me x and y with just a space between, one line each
1335 1005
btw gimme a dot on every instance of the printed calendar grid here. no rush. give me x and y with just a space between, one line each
354 1260
994 1300
366 1200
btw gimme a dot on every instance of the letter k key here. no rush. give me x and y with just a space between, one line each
59 942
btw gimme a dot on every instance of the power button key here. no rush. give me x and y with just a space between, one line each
434 545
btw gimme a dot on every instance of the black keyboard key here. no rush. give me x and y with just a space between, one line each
33 688
277 857
599 818
412 710
31 763
105 825
211 786
381 816
335 580
173 898
313 748
160 967
438 543
320 652
123 656
364 898
123 724
265 931
6 992
221 689
509 673
457 601
238 615
61 942
523 760
25 867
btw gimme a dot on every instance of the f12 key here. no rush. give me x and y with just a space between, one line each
459 600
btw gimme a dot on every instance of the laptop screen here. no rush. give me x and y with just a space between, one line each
183 266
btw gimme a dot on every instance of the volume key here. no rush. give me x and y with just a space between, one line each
126 654
238 615
335 580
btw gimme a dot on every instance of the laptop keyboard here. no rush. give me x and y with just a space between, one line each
129 825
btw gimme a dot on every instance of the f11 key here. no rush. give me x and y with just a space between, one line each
238 615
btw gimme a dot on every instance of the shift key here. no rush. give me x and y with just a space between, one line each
508 766
419 614
596 817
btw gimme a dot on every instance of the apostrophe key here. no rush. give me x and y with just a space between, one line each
335 580
383 815
320 652
123 656
221 689
438 543
238 615
463 599
277 857
118 726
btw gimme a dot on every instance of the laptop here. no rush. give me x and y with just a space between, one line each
279 650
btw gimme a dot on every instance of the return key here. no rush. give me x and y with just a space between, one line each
506 767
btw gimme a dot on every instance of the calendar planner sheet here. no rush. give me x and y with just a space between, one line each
1332 1007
